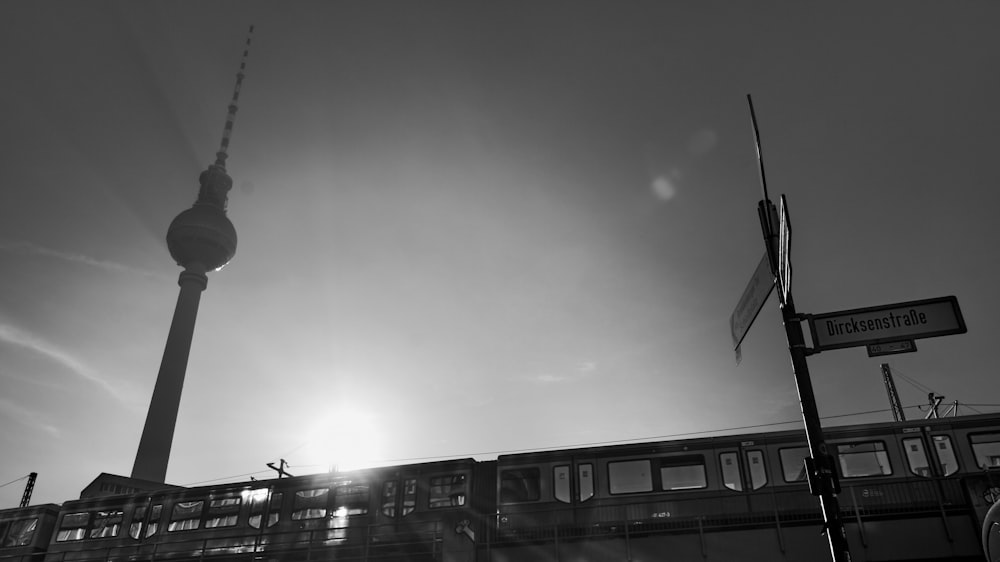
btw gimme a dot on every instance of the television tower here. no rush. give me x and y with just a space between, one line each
200 239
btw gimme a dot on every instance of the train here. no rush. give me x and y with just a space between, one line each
921 490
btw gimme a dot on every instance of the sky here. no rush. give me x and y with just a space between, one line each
472 228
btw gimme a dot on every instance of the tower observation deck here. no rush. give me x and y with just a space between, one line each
200 239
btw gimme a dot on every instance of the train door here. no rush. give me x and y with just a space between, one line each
930 454
397 493
573 482
743 470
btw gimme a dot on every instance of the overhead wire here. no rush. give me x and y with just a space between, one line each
13 481
917 384
227 477
924 388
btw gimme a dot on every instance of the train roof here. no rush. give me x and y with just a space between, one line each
318 479
681 443
21 512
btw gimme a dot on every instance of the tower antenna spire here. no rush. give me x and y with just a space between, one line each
227 131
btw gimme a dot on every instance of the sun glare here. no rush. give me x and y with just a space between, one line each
345 439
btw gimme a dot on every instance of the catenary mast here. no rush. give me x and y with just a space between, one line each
200 239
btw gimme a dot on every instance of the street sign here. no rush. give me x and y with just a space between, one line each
905 346
887 323
784 252
754 296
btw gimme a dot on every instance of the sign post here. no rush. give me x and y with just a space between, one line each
819 467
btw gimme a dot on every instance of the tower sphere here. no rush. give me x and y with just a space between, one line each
202 235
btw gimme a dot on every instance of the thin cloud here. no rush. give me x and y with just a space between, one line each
582 370
546 378
26 417
34 249
21 338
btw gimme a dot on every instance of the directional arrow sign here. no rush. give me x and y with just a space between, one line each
887 323
756 292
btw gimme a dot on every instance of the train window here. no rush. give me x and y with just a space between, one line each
186 516
135 529
310 504
222 512
447 491
683 473
154 520
106 524
351 500
561 483
389 498
758 474
586 479
792 463
20 532
868 458
730 463
73 527
916 456
520 485
409 496
258 499
628 477
986 447
945 454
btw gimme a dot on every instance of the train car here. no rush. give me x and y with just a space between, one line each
415 513
915 490
25 532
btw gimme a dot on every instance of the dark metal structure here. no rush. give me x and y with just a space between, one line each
890 389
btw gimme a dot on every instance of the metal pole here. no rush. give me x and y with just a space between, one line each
890 388
935 401
819 468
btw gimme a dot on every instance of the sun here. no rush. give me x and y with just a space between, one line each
346 438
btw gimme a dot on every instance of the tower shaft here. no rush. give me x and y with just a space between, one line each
157 435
